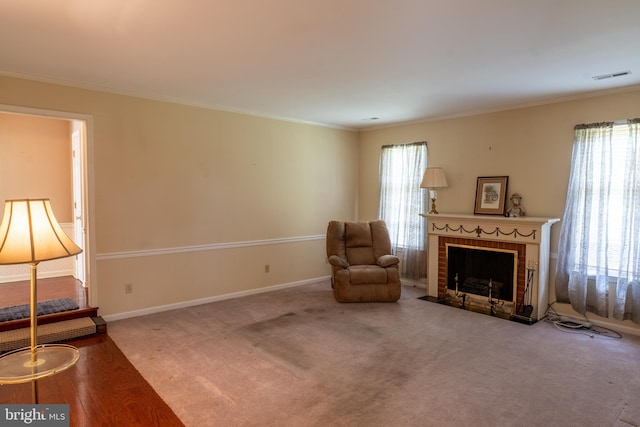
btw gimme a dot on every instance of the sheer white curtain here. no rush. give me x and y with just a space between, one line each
401 203
599 248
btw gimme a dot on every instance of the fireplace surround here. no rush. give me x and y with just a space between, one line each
527 238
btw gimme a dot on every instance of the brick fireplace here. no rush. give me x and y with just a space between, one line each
514 305
528 237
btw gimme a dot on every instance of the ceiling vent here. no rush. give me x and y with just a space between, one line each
611 75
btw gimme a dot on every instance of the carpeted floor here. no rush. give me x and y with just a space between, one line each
296 357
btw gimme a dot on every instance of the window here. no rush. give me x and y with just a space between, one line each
401 203
600 213
599 250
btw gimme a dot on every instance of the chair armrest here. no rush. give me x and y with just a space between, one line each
337 261
388 260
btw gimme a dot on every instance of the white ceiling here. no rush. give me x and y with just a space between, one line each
332 62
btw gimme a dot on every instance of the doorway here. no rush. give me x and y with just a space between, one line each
77 217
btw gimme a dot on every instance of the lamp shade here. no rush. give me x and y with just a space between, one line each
433 178
29 233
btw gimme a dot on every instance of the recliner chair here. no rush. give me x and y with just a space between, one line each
363 268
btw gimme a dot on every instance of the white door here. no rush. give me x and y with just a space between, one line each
78 197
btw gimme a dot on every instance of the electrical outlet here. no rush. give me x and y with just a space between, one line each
267 268
128 288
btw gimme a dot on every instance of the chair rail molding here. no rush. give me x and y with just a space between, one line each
208 247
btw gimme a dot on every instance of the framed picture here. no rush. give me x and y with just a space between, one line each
491 195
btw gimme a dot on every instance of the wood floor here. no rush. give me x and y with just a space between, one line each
102 389
17 293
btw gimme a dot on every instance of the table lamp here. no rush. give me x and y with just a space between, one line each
432 179
29 233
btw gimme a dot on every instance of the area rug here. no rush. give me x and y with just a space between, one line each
17 312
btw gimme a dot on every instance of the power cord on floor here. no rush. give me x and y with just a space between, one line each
583 327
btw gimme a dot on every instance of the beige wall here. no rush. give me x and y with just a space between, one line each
176 178
36 162
530 145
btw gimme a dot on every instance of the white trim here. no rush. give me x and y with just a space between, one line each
546 101
90 280
622 326
30 111
167 99
201 248
422 284
41 275
207 300
625 329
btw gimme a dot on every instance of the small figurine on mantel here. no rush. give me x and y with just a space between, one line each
516 208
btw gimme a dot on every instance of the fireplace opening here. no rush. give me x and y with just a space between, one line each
484 272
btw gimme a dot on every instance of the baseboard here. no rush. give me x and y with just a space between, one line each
618 326
200 301
41 275
414 283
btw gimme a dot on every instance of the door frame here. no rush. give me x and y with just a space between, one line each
78 178
86 189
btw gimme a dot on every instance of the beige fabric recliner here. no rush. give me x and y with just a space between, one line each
363 268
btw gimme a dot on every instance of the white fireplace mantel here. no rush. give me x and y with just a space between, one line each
534 232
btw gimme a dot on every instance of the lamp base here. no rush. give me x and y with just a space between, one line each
19 366
433 206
